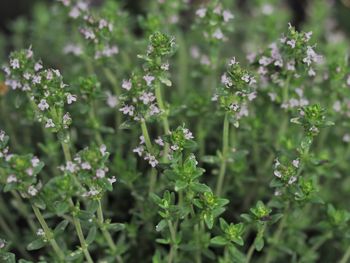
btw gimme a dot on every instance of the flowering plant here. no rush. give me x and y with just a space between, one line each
174 131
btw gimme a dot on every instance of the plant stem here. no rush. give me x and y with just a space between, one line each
173 248
278 233
66 152
346 256
164 116
76 221
83 244
250 252
105 232
146 136
225 147
48 233
153 176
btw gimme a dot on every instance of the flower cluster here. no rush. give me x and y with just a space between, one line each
44 87
138 102
216 21
290 58
237 89
100 31
89 167
19 172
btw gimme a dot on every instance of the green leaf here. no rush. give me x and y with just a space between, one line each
218 241
163 223
36 244
163 241
61 227
200 188
74 255
238 240
165 81
91 235
259 243
209 220
180 185
61 207
116 227
7 257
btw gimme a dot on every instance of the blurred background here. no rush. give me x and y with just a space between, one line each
12 9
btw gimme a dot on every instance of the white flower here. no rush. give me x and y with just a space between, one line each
88 34
151 160
74 12
337 106
40 232
296 163
35 161
174 147
127 84
153 110
85 166
73 49
43 105
292 179
147 97
267 9
71 98
188 134
2 135
32 191
227 15
245 78
70 167
308 35
49 124
11 179
100 173
165 66
38 66
277 173
128 110
291 43
218 34
265 61
226 80
14 63
112 100
112 180
103 149
66 119
36 79
201 12
311 72
346 137
159 141
139 150
149 79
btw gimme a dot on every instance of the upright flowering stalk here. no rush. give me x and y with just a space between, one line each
291 185
48 95
284 63
46 91
18 173
236 91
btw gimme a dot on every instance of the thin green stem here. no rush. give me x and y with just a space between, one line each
66 151
225 148
48 233
153 176
346 256
278 233
84 245
164 116
146 136
173 247
105 232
